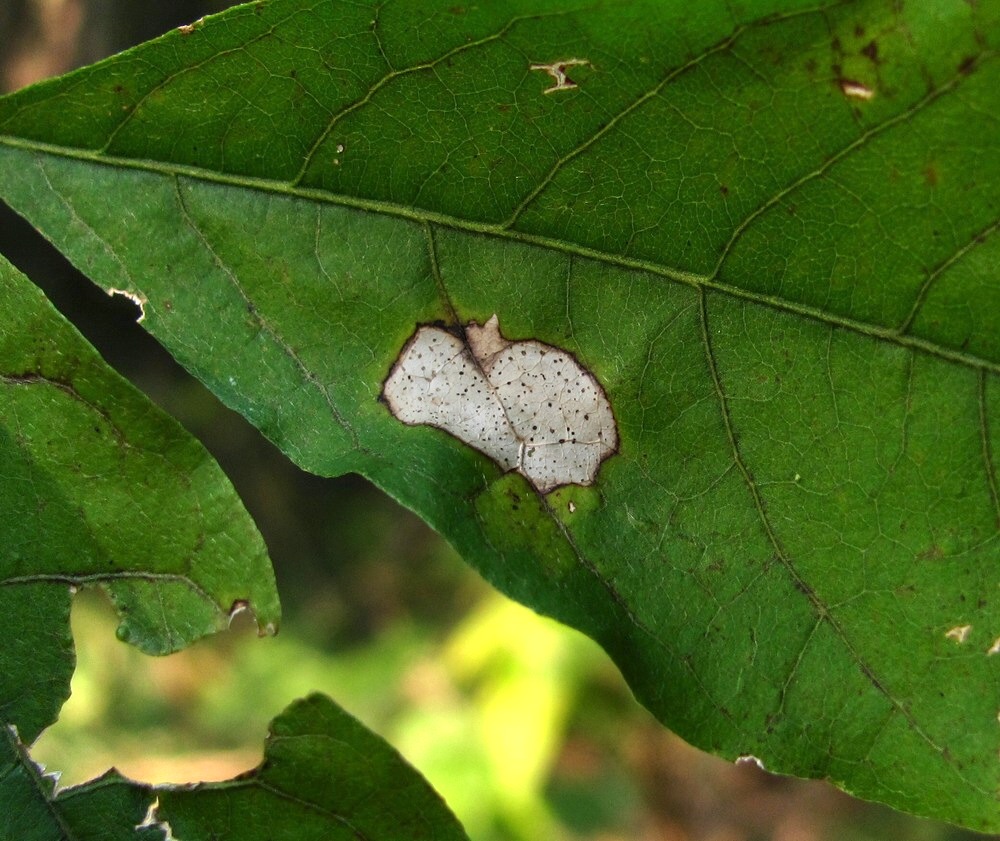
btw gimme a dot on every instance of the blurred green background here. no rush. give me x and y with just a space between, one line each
524 726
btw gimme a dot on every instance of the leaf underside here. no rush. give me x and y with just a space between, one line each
768 230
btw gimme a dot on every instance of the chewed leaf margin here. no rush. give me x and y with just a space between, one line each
323 775
102 488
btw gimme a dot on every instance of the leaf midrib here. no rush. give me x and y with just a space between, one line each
695 280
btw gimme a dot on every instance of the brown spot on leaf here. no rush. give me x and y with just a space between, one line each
870 51
933 553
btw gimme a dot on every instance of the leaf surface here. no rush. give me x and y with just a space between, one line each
324 776
768 230
99 487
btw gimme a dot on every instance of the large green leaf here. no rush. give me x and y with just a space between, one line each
766 228
99 487
323 777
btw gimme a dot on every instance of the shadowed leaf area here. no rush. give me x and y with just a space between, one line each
767 231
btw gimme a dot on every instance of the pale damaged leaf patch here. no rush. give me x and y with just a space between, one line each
960 633
557 70
529 406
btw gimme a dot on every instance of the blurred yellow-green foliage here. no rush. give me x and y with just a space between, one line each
524 726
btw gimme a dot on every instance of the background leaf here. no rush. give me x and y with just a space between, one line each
100 487
767 232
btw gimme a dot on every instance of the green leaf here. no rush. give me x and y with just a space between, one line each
323 776
100 487
768 230
109 808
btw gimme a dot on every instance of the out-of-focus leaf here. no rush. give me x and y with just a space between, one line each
324 776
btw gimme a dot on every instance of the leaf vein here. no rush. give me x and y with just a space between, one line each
308 804
71 209
442 220
934 275
554 170
392 75
71 580
623 605
721 46
819 607
159 86
880 128
287 349
988 463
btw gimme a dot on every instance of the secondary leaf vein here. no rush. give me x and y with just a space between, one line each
880 128
819 607
933 276
988 463
287 349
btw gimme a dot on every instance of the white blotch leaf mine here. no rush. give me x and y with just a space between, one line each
529 406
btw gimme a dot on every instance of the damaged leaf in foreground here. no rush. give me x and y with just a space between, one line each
323 776
99 487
